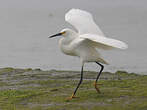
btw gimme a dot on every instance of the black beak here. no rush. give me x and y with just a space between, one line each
59 34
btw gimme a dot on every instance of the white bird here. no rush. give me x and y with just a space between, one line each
86 42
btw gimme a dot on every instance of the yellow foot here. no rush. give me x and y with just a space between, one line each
72 96
97 89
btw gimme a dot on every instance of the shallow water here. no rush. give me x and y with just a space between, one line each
25 27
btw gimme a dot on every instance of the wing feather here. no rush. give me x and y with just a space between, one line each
83 22
104 42
90 32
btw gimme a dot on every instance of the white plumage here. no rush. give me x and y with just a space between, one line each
83 22
88 38
86 42
104 42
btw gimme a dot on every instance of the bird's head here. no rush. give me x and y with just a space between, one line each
65 32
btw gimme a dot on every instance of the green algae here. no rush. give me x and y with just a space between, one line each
30 89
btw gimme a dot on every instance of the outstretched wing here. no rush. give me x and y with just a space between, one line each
83 22
104 42
89 32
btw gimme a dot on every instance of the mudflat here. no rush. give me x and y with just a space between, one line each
35 89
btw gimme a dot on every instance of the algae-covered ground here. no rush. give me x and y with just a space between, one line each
27 89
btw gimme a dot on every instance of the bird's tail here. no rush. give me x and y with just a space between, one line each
103 61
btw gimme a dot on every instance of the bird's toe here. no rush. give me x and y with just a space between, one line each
71 97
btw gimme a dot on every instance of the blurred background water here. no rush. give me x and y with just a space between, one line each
26 24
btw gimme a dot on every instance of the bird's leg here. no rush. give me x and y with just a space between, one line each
81 79
95 83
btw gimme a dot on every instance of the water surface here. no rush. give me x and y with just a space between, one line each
25 26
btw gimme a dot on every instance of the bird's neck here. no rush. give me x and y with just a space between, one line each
68 39
65 41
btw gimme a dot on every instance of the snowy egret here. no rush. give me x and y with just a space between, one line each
86 42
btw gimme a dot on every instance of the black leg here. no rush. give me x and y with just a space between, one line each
102 67
81 79
95 83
